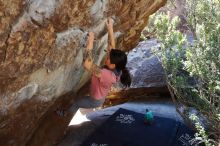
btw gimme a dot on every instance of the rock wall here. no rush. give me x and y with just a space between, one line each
144 66
41 48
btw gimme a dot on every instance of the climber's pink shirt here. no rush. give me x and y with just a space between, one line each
100 86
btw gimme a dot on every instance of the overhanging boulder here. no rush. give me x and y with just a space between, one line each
41 48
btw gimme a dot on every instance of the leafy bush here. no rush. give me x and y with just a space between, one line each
193 66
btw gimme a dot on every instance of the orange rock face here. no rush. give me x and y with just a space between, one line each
41 48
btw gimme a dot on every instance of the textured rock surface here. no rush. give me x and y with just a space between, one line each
145 67
41 48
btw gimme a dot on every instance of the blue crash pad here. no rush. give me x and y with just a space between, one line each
127 128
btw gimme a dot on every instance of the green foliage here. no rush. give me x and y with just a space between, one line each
201 135
193 68
203 58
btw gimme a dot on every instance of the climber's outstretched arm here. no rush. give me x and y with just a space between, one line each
111 38
88 64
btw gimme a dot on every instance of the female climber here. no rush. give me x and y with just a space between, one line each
102 78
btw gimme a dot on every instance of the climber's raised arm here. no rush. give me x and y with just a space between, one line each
88 63
111 38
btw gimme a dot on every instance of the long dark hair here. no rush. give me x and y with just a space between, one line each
119 58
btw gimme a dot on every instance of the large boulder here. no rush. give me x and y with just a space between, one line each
41 54
144 65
